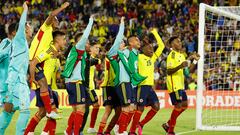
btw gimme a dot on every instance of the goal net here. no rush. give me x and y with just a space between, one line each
218 94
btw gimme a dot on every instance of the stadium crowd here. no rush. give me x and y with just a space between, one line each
171 17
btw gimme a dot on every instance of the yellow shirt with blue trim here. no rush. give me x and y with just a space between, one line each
54 75
108 75
91 77
41 41
50 62
175 81
146 64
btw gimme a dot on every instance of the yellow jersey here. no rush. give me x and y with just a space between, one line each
91 77
41 41
175 81
146 64
49 62
54 75
108 74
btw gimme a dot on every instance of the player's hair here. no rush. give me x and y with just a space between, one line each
145 42
77 36
57 33
171 39
12 27
108 45
128 39
93 41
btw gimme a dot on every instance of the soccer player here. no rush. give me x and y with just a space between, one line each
48 57
176 64
17 96
132 52
5 50
145 93
74 79
110 98
123 77
42 42
92 52
53 85
134 45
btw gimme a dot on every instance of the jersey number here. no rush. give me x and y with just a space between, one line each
149 63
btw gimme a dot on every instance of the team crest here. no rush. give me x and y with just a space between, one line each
41 56
173 55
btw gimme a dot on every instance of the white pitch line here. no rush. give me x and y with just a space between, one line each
186 132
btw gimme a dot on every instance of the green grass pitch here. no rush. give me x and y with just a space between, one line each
185 123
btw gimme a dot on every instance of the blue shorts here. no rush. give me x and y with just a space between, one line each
178 96
124 92
77 93
91 97
55 98
39 102
110 97
39 72
146 96
18 94
134 95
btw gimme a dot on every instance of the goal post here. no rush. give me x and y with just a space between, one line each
215 22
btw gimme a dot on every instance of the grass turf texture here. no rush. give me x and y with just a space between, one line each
185 123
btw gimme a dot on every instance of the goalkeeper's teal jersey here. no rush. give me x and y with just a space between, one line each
5 50
19 58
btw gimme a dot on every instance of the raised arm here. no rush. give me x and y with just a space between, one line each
113 50
160 43
55 12
82 42
22 22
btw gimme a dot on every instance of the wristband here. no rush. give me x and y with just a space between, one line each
194 62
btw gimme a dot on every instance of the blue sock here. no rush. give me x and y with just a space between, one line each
5 119
22 121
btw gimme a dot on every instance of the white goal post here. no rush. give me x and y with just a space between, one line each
214 118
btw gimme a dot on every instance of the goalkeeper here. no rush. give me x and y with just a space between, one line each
18 95
177 68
